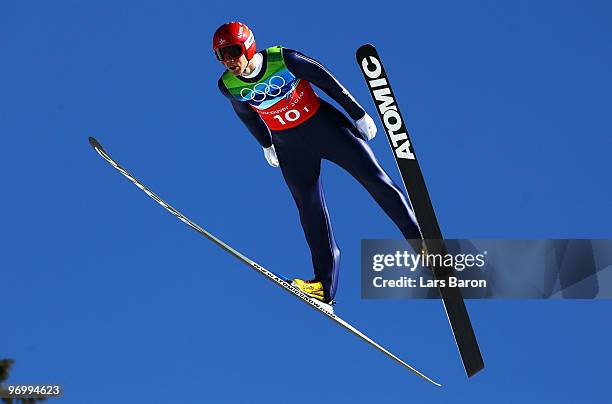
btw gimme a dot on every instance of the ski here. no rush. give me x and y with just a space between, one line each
388 111
280 280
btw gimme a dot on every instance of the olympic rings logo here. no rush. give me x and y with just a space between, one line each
260 91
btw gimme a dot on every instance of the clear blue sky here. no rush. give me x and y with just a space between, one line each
509 108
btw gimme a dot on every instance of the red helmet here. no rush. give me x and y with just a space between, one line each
234 39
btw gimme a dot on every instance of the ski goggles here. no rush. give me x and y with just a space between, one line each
233 51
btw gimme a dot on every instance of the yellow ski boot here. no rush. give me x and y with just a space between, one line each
312 288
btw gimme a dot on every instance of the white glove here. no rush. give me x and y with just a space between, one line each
366 127
270 154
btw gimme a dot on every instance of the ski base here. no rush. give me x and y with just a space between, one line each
281 281
399 140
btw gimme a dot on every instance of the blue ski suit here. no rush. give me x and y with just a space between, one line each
330 135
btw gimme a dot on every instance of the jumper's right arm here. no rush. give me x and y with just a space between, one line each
249 117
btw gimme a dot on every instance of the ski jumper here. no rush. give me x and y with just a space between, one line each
279 107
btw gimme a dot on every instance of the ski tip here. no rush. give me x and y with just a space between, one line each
366 46
94 142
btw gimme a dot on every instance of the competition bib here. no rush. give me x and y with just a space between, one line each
282 100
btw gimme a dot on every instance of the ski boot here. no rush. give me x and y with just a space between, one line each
314 289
